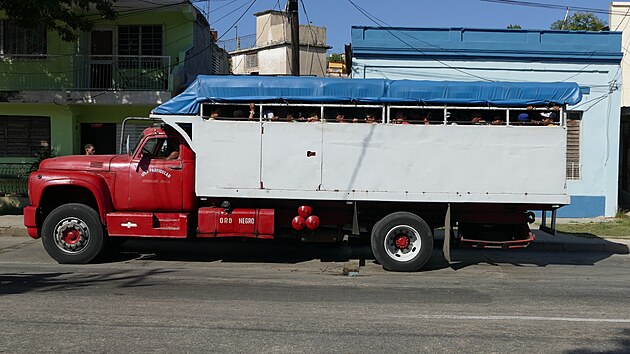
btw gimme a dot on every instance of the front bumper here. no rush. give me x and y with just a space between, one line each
30 221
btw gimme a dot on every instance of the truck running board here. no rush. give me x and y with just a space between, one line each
146 224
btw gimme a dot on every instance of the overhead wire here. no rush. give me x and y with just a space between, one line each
170 66
313 37
552 6
256 41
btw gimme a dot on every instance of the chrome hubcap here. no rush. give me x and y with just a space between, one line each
402 243
71 235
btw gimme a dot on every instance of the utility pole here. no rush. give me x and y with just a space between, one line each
295 37
566 16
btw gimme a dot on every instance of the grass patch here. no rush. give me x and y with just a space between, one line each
616 228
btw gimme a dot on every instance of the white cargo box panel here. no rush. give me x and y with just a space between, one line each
379 162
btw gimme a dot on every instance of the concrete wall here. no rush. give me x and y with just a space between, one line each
275 60
620 22
595 193
185 34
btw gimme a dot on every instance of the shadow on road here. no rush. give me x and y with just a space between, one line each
261 251
245 251
69 281
622 346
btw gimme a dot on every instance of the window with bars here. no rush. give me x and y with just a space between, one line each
22 136
251 61
140 40
574 120
137 45
16 40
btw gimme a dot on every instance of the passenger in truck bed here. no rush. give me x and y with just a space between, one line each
371 119
313 117
426 118
477 118
252 111
401 118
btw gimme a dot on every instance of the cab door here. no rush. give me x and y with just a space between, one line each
156 175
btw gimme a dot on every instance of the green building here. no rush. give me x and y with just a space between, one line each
59 96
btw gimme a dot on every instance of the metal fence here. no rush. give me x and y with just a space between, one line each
573 171
84 72
238 43
14 178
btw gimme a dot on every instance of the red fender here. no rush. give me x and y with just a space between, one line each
39 181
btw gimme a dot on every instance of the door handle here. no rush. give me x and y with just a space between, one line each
175 167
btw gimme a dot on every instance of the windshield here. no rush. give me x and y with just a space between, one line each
135 146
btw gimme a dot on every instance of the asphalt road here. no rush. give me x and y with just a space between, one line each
264 297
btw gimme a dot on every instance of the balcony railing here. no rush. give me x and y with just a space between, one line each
14 178
242 42
84 72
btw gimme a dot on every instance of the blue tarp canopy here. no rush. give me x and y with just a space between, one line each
327 90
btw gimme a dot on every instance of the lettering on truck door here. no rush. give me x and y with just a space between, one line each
155 176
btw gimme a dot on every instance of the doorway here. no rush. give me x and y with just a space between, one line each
101 135
101 59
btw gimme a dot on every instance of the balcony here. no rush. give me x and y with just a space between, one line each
84 73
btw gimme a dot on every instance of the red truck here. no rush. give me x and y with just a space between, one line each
212 169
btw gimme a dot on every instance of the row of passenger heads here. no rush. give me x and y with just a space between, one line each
298 116
493 117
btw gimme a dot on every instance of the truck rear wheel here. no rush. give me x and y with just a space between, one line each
73 233
402 242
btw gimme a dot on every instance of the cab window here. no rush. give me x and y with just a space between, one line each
161 148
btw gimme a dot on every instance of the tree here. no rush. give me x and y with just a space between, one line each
335 58
514 26
62 16
580 21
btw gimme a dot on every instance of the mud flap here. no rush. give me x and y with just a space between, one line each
446 248
543 222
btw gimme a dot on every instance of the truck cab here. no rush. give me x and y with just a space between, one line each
150 188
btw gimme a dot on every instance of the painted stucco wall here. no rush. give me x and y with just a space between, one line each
504 58
51 92
177 24
65 121
618 21
276 61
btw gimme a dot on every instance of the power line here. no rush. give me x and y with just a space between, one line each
313 38
256 41
552 6
229 13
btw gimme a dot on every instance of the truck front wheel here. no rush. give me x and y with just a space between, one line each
73 233
402 242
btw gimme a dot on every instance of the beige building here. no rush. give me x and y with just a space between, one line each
271 54
336 70
619 20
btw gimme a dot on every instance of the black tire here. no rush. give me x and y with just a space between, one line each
73 233
402 225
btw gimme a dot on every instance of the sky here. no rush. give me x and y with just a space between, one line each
338 16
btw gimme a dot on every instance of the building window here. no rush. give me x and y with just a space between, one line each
574 120
22 136
16 40
251 61
216 64
140 40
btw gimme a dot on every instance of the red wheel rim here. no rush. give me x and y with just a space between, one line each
71 236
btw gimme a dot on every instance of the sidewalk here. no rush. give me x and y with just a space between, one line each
13 226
